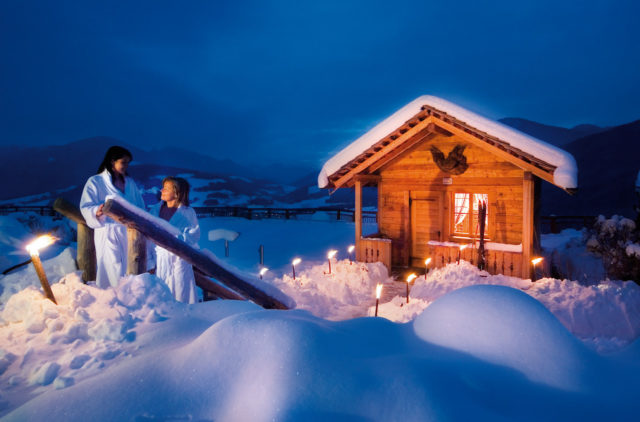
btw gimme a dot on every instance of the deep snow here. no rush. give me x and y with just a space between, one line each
476 346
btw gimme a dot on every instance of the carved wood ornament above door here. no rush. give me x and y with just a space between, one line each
454 163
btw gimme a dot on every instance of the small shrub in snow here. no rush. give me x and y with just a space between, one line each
617 241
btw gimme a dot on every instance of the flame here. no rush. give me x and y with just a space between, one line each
463 247
351 248
378 290
296 261
427 262
536 261
411 277
264 270
332 253
39 243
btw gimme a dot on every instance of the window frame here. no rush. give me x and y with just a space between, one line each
488 232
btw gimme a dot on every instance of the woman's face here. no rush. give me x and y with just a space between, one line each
120 165
168 192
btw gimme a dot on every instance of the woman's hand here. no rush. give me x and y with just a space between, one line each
99 212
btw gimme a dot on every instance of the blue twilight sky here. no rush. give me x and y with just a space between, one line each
296 81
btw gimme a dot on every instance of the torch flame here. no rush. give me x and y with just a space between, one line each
39 243
378 290
536 261
351 248
296 261
427 261
332 253
411 277
264 270
463 247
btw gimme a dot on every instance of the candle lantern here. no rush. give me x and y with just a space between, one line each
330 255
350 251
378 293
34 250
295 262
534 262
410 278
461 248
426 267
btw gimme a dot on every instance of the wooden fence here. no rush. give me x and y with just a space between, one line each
497 262
340 214
556 223
373 249
549 224
39 209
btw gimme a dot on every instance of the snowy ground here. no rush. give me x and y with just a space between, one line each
473 346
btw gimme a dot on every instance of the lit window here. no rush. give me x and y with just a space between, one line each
465 215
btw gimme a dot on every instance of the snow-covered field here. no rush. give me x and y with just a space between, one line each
467 346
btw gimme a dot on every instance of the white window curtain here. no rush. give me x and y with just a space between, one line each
461 207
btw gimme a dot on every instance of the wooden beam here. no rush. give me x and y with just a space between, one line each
69 210
136 252
427 134
215 289
86 248
193 256
406 136
406 215
442 131
527 223
497 151
358 218
368 178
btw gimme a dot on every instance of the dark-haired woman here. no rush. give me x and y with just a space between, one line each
174 208
109 236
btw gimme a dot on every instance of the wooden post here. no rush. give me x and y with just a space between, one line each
193 256
527 223
86 251
37 264
136 252
406 226
358 218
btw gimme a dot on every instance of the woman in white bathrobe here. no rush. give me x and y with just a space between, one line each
174 208
110 237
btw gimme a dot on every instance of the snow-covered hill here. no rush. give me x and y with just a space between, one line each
467 346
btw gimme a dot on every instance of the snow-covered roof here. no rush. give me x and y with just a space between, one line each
565 174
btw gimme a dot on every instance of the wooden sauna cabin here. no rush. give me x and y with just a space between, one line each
432 162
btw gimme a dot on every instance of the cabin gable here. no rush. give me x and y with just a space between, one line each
415 198
433 162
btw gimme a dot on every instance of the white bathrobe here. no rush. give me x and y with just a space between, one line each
176 272
109 236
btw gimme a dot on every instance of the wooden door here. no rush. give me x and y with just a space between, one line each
426 224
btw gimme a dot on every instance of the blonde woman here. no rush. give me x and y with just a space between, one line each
174 208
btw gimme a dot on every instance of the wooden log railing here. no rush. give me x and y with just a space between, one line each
195 257
212 289
86 254
86 250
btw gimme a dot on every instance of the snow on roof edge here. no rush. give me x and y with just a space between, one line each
565 175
